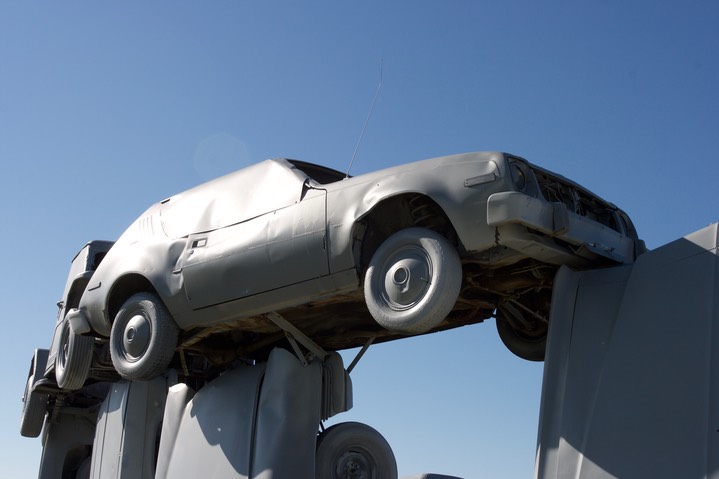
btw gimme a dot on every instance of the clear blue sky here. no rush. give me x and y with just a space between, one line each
108 107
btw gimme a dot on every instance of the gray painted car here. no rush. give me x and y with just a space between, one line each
49 388
64 342
201 276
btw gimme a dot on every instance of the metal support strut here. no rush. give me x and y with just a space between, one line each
295 336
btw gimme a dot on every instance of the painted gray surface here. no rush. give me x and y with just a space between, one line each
224 255
251 422
235 428
82 267
631 387
67 442
271 238
128 428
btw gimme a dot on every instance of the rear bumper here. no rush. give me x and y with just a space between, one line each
78 321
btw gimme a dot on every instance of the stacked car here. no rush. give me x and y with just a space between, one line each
288 254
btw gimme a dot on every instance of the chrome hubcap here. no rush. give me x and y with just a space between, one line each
407 278
136 337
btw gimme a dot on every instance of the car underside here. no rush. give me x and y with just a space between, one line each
343 322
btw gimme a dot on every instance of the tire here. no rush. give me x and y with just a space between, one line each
524 336
354 450
34 407
413 281
143 338
73 359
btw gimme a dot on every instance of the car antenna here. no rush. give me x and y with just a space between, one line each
374 100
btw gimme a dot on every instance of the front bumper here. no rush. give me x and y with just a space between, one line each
531 225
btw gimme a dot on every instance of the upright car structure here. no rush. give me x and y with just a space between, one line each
219 271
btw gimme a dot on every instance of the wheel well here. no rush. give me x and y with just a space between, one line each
397 213
123 289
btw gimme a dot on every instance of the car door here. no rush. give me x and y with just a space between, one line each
270 251
277 239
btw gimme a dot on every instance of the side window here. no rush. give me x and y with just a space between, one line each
97 260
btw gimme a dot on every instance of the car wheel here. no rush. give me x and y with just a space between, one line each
354 450
73 360
413 281
143 338
34 407
525 336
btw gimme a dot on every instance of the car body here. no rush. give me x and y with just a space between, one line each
48 378
43 401
481 233
82 267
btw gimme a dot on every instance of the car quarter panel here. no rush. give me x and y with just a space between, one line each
139 253
459 184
